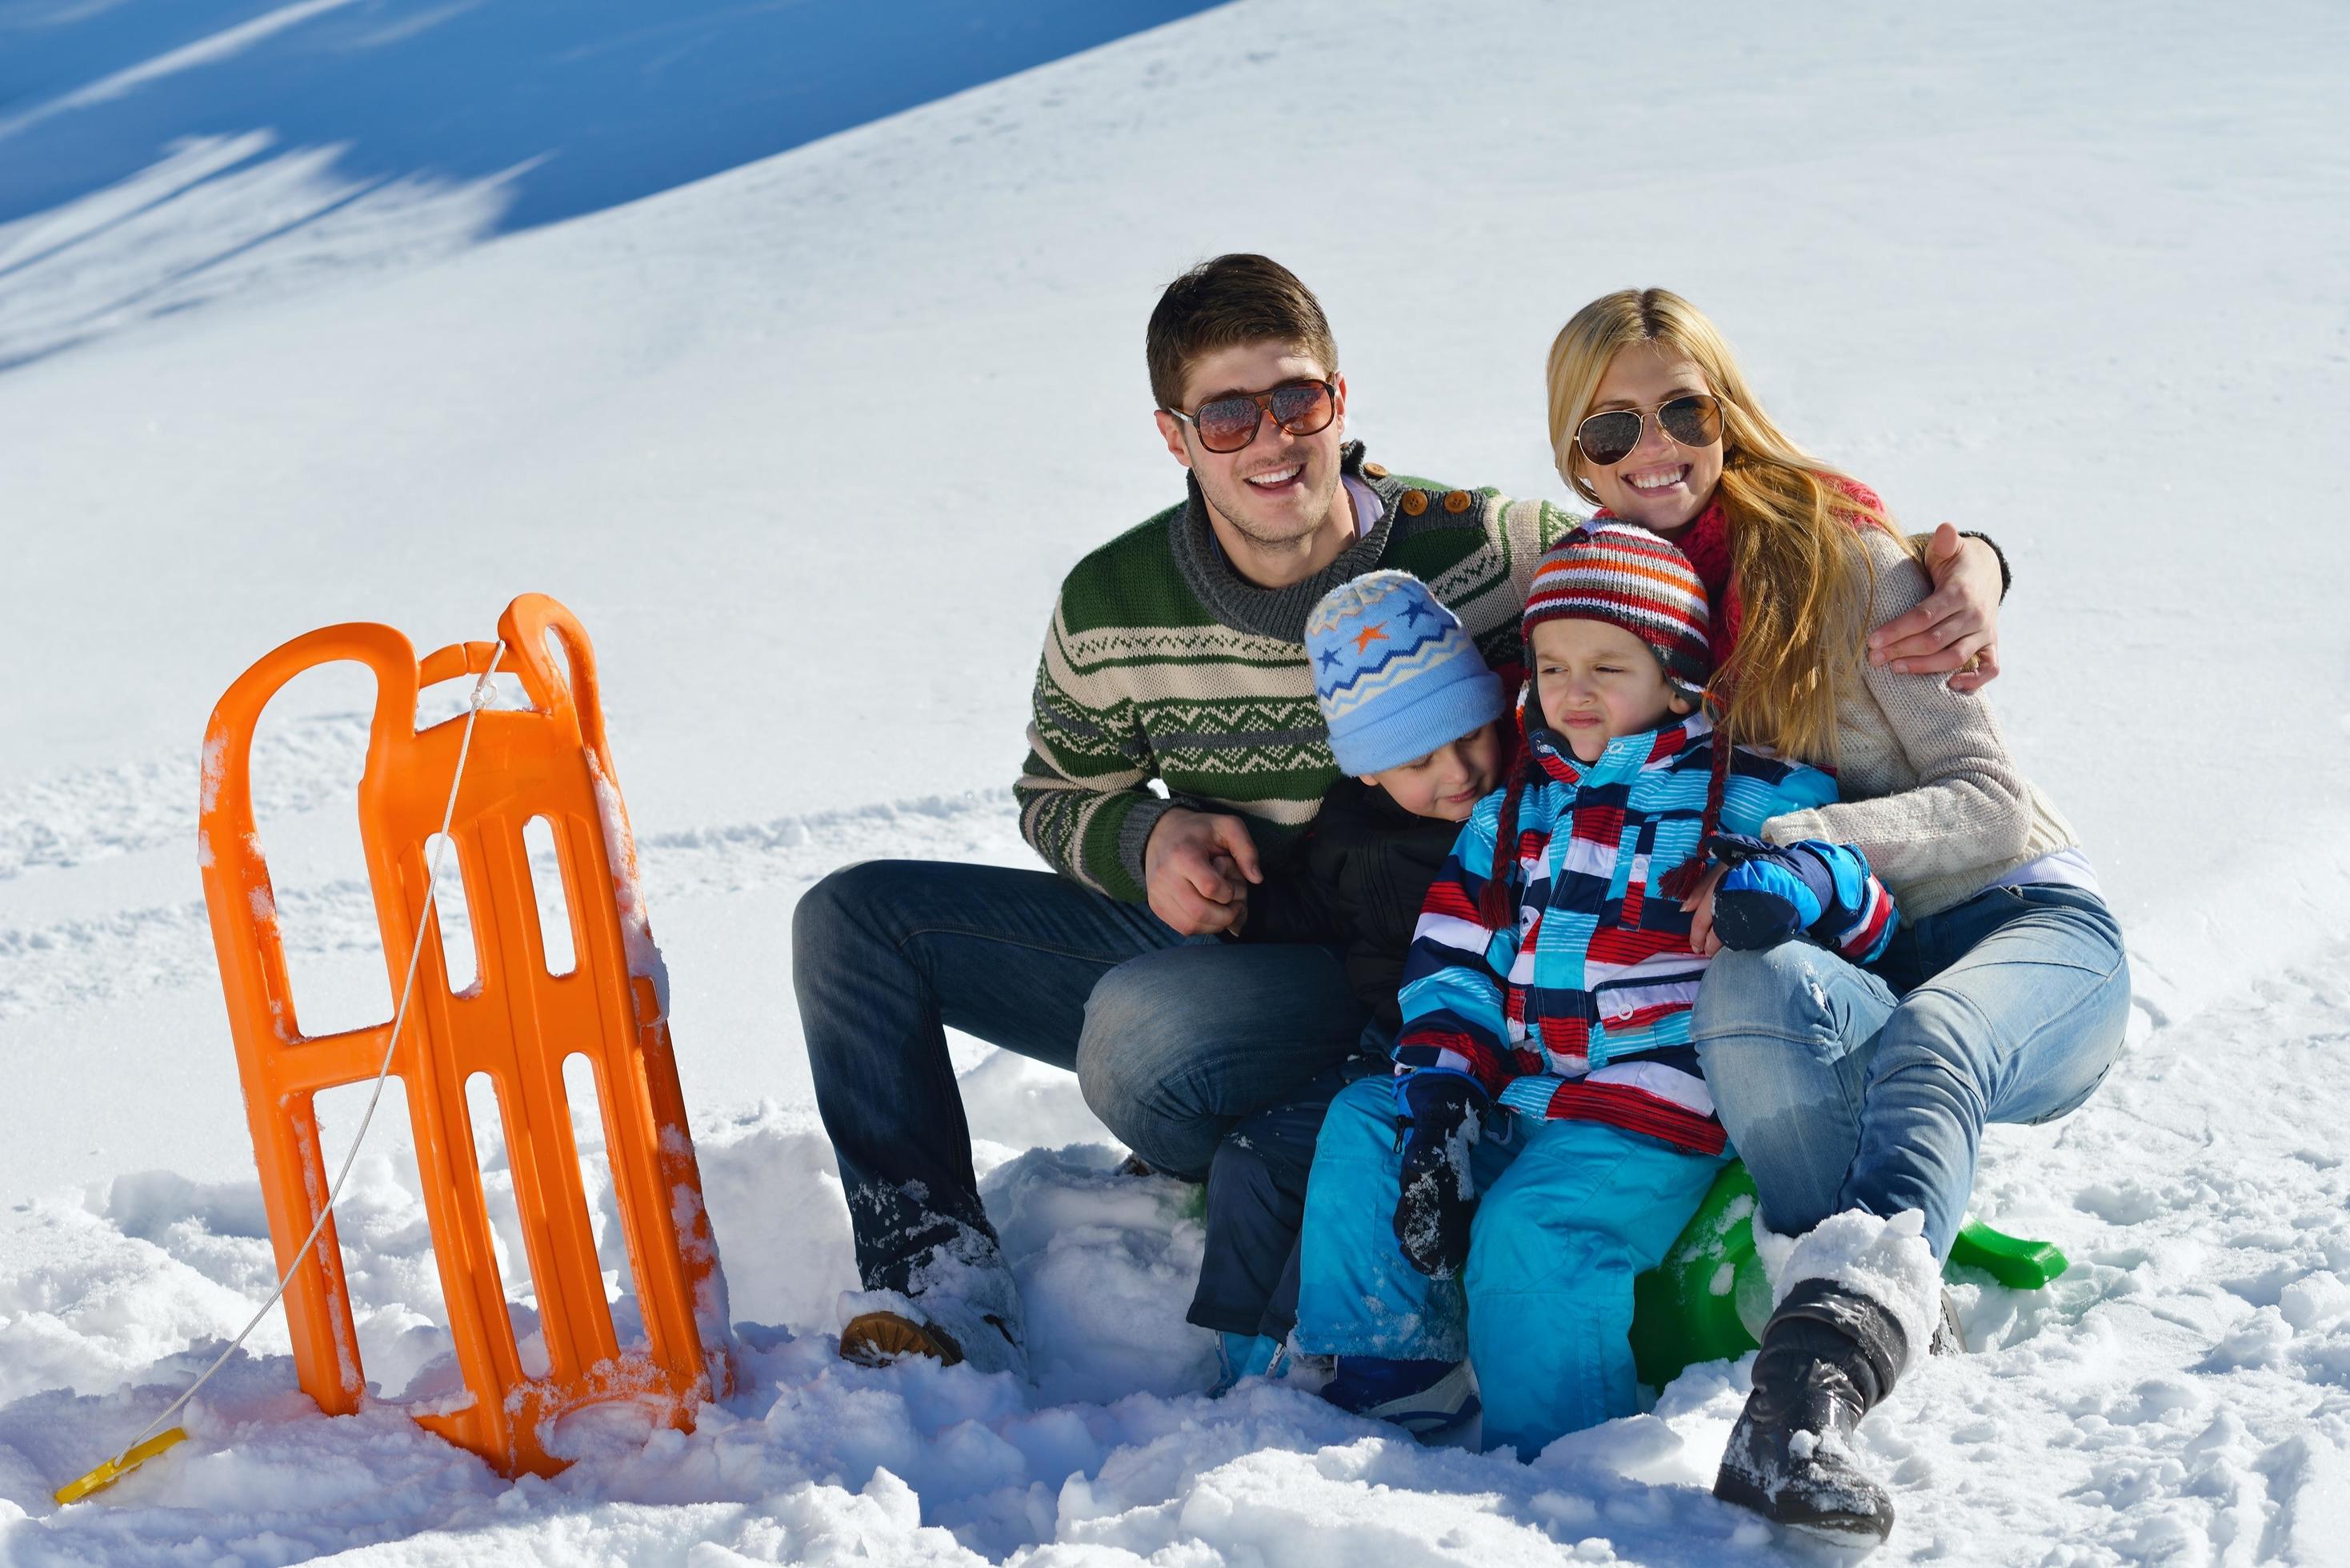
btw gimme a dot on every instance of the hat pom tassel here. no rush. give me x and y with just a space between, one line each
1682 880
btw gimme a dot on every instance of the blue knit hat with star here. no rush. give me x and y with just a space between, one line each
1396 675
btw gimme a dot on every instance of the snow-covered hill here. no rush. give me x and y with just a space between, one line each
807 445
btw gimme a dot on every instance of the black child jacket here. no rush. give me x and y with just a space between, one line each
1354 881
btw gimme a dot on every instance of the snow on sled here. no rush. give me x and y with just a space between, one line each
518 1025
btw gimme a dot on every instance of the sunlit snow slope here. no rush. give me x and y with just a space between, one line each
808 444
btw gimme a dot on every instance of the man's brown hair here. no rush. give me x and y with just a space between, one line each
1233 300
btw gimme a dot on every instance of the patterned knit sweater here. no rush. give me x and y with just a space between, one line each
1164 663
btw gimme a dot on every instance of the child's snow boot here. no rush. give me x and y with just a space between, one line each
1418 1395
1862 1296
1240 1355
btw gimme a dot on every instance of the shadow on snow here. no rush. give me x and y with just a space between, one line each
312 119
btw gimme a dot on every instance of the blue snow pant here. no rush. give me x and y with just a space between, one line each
1568 1213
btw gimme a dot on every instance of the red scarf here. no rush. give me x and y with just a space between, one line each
1705 543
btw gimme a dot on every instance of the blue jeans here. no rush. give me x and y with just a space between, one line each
1846 1089
1568 1213
1171 1039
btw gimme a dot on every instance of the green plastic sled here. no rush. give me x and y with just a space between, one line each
1709 1299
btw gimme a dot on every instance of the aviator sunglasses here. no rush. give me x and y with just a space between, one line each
1227 424
1692 420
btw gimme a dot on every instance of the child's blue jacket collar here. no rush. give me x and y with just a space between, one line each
1625 758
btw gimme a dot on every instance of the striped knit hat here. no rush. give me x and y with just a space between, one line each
1394 673
1626 576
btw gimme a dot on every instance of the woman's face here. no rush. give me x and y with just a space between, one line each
1662 485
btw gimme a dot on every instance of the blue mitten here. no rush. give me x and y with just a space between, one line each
1440 1113
1774 891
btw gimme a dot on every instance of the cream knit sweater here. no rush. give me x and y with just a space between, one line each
1932 795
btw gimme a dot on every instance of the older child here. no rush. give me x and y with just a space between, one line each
1555 1133
1414 720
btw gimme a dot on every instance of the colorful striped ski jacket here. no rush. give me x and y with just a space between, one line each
1583 1010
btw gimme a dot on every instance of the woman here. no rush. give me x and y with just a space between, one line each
1856 1096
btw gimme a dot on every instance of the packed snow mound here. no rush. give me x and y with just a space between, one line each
2182 1393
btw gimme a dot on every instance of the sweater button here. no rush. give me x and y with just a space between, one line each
1414 503
1457 501
1375 471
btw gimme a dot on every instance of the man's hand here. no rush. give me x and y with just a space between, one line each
1194 865
1956 629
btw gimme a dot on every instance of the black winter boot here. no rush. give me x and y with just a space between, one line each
1829 1355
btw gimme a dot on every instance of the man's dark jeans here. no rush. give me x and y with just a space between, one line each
1172 1040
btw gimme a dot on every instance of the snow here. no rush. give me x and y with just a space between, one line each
1887 1261
807 434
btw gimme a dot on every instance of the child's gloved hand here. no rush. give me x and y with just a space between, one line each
1774 891
1440 1115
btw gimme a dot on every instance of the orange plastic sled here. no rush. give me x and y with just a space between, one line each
518 1025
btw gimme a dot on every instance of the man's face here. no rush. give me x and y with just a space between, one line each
1278 490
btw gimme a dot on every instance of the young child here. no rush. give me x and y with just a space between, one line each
1414 716
1555 1133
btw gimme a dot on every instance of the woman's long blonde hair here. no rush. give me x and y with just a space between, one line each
1803 580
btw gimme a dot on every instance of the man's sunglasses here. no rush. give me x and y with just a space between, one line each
1608 438
1227 424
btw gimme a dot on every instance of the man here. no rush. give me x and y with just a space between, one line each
1175 654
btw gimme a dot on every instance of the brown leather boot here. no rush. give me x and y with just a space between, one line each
878 1338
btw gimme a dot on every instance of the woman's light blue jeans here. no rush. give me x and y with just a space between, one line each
1567 1213
1843 1088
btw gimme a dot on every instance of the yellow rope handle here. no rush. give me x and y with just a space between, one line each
143 1448
121 1465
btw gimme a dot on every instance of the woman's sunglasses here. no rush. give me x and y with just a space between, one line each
1227 424
1608 438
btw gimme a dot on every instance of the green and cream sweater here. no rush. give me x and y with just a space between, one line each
1164 663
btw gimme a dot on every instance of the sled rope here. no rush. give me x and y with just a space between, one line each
122 1463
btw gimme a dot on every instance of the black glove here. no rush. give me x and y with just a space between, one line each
1774 891
1438 1115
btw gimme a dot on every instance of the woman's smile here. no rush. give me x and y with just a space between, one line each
1661 484
1655 479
